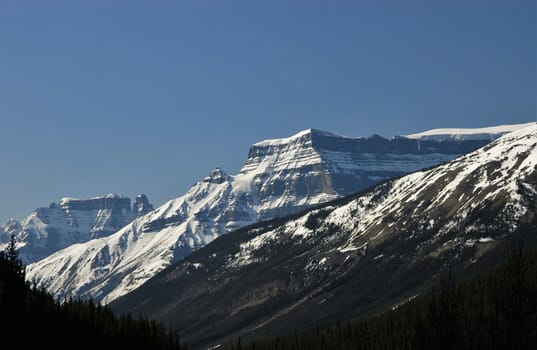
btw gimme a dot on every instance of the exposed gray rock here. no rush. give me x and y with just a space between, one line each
70 221
141 205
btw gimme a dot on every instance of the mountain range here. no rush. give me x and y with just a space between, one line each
71 221
351 257
281 177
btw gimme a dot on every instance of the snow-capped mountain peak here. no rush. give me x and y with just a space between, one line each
10 228
217 176
489 133
70 221
307 133
279 178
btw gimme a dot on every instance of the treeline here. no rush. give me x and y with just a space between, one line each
31 317
497 310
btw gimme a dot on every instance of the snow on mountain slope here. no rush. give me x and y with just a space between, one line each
70 221
11 227
352 257
490 133
441 198
279 178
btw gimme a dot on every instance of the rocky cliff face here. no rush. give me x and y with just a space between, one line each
71 221
141 205
280 177
317 163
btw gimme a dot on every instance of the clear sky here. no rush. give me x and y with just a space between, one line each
149 96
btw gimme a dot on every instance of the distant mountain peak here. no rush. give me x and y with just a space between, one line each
70 221
325 133
486 133
11 227
141 205
12 222
106 196
216 175
304 134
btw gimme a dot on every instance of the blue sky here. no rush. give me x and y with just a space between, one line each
149 96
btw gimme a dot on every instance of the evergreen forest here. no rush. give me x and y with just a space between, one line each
31 318
494 310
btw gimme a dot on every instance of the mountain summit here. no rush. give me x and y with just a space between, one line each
279 178
491 133
70 221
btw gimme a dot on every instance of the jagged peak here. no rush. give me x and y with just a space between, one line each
11 226
141 205
217 175
12 221
141 196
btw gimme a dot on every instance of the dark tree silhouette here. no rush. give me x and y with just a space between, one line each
495 310
31 317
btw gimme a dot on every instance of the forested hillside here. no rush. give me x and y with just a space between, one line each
31 317
495 310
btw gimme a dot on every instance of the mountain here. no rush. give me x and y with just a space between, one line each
11 227
491 133
280 177
352 257
72 221
141 205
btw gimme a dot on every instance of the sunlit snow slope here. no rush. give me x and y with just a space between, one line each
491 132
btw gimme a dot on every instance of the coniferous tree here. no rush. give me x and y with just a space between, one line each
32 317
497 310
